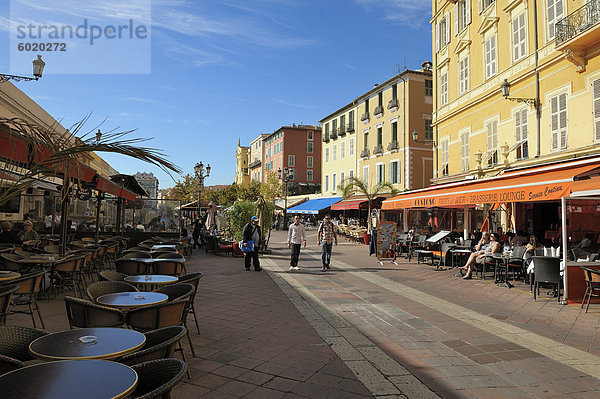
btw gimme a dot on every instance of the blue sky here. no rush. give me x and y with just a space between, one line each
223 70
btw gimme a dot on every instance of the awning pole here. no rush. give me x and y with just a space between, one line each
63 220
98 205
466 223
405 219
563 221
118 221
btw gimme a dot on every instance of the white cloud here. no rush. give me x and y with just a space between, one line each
413 13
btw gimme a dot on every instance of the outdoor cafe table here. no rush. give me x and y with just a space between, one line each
6 275
150 261
503 258
88 379
132 299
151 279
164 246
87 343
457 252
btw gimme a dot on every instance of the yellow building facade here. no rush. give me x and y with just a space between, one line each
544 55
371 137
242 161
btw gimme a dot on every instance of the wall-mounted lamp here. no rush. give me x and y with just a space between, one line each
38 69
415 137
505 87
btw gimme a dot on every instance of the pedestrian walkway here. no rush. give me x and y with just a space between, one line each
462 339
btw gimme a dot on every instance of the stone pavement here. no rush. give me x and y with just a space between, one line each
368 330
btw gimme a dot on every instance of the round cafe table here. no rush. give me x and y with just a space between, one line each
151 280
87 343
88 379
132 299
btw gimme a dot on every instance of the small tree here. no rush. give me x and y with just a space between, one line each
239 215
354 184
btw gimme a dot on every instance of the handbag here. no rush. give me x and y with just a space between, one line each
247 248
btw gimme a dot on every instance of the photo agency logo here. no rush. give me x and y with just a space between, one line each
81 37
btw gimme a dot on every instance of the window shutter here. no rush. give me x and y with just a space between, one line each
562 103
398 170
518 126
468 11
479 6
554 121
596 89
456 18
390 173
437 37
524 124
447 28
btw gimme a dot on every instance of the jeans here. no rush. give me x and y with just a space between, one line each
295 254
252 256
326 253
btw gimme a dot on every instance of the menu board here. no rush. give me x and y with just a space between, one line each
386 240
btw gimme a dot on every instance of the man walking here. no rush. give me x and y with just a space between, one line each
296 237
251 232
325 237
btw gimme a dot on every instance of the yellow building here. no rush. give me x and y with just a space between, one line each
551 67
371 137
242 161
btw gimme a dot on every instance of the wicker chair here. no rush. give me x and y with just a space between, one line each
164 314
84 314
193 279
592 286
52 249
5 300
177 291
136 254
26 295
131 267
158 252
169 255
160 344
8 364
100 288
547 272
11 262
15 340
168 267
68 274
156 378
111 275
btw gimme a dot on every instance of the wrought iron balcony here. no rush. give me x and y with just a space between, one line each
334 134
393 145
254 164
365 116
393 103
365 153
342 131
350 127
378 110
378 149
326 137
578 22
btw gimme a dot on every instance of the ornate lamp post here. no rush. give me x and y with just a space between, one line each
285 177
201 173
38 68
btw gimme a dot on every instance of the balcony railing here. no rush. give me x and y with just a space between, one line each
364 153
393 145
378 149
578 21
342 131
350 127
326 137
254 164
393 103
378 110
365 116
334 134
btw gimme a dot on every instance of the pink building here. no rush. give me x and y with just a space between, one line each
297 147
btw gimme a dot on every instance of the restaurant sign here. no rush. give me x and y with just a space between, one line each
472 196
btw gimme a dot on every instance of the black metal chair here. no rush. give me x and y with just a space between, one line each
15 340
84 314
592 285
546 271
160 344
27 294
194 279
156 378
6 293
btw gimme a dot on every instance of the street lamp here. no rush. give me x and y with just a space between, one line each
415 136
285 177
38 68
505 87
201 173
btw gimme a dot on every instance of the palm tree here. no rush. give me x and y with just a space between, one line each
354 185
36 152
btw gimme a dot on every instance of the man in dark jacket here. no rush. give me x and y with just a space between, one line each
251 232
8 236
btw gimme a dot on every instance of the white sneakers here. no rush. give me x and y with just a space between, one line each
294 268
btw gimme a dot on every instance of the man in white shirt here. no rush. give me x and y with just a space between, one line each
296 237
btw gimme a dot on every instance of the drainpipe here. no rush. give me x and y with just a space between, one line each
404 130
437 138
538 110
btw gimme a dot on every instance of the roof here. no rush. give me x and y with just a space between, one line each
130 183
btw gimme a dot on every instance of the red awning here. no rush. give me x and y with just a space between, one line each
14 148
350 204
543 183
107 186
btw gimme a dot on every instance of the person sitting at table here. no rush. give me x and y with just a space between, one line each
8 236
487 245
28 234
530 248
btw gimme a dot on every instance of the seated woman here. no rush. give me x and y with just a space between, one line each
28 234
487 245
